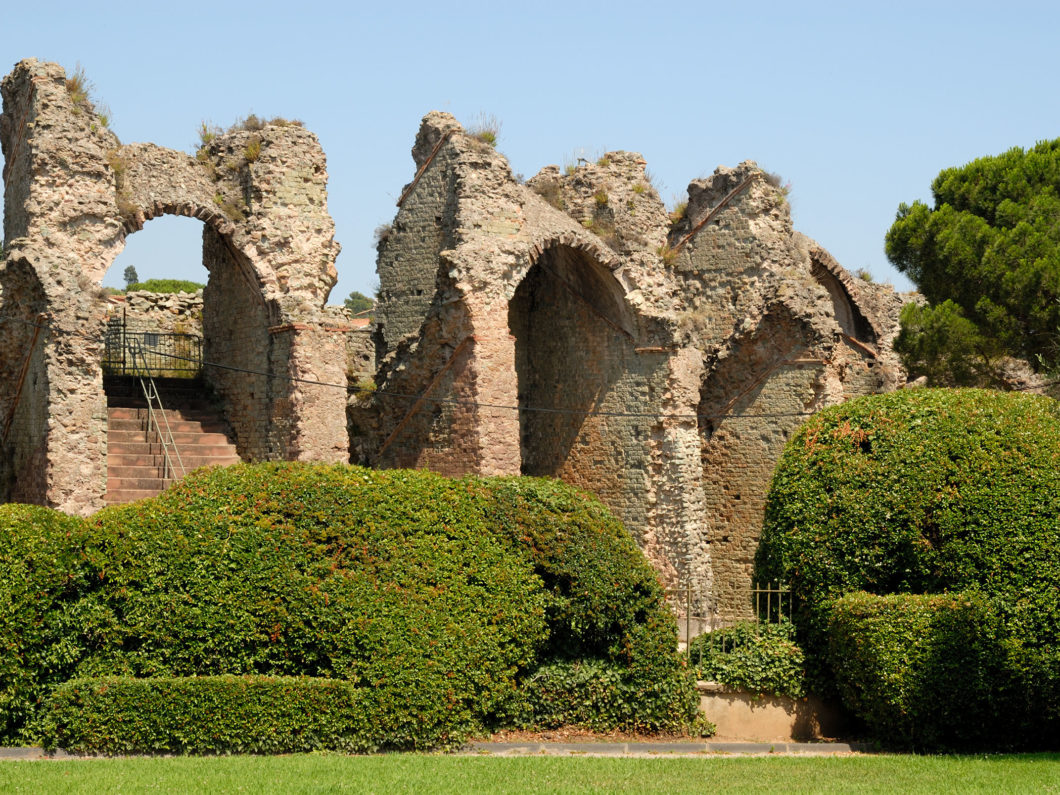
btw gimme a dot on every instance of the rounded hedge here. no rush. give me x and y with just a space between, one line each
46 628
924 492
440 598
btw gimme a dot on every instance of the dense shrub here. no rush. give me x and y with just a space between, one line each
927 671
385 579
46 627
926 492
421 590
605 611
211 714
760 658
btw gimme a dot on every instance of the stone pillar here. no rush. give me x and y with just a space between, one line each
308 405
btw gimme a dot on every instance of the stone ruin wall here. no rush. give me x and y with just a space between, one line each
563 327
167 313
673 359
72 194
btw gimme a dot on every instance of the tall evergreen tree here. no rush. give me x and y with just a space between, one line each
987 258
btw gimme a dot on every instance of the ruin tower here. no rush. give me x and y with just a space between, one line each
73 193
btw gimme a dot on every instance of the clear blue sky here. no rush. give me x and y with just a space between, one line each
858 105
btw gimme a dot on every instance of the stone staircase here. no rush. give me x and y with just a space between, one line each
135 460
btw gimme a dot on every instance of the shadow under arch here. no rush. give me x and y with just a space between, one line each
750 403
24 375
574 339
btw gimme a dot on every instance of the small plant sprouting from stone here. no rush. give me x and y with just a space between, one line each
551 192
777 182
126 207
229 208
485 128
639 188
382 235
678 212
79 87
601 198
103 114
253 149
863 274
603 162
207 133
364 388
668 254
604 228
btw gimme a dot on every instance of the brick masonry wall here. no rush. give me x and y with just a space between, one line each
235 327
725 342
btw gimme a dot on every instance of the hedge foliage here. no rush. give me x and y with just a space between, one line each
931 672
927 492
604 608
210 714
757 657
46 627
427 593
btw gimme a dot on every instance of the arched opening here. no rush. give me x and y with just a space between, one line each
574 339
153 301
23 372
750 403
208 351
848 316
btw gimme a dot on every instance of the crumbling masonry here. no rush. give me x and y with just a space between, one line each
565 327
72 194
568 328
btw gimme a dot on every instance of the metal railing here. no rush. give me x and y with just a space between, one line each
771 603
169 355
155 411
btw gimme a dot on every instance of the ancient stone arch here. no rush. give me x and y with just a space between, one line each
72 194
679 354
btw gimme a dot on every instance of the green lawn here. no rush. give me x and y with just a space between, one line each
425 773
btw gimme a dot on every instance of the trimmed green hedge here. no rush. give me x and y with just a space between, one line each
212 714
438 597
928 672
759 658
605 610
922 492
46 626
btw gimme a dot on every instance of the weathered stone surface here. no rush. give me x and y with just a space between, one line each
565 328
72 194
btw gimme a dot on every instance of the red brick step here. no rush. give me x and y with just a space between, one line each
135 461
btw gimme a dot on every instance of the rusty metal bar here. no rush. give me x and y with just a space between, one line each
415 180
860 346
38 324
423 396
714 211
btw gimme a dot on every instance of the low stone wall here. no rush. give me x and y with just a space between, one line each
740 715
165 313
360 347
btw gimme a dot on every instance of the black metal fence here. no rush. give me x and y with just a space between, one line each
165 355
770 604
